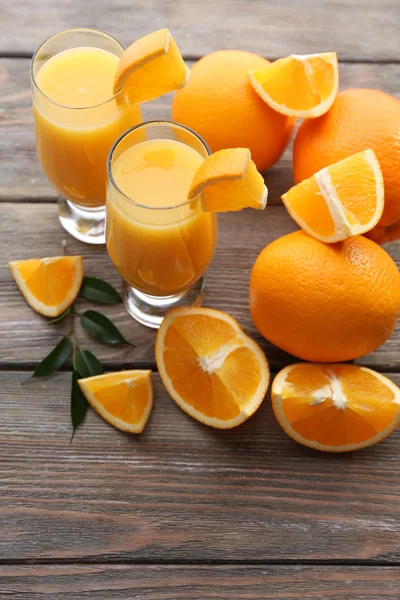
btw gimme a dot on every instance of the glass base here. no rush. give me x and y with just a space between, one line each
84 224
150 310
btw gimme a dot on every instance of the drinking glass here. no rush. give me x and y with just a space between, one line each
73 143
161 252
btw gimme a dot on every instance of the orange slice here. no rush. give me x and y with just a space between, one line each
299 86
210 367
150 67
49 285
228 180
123 399
339 201
335 408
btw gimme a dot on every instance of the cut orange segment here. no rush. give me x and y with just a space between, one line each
335 408
123 399
150 67
49 285
299 86
210 367
342 200
228 180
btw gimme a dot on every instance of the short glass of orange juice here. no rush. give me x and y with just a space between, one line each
160 242
77 119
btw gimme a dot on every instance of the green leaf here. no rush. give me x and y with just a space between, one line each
55 359
100 291
87 365
60 317
102 328
79 404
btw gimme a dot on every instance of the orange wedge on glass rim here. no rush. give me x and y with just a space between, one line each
123 399
150 67
228 180
210 367
342 200
299 86
49 285
335 407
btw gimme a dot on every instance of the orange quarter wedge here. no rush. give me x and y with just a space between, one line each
335 408
49 285
340 201
123 399
228 180
150 67
210 367
299 86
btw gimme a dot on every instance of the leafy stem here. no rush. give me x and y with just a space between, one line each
85 364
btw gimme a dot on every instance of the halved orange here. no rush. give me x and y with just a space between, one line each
210 367
228 180
335 407
123 399
150 67
49 285
299 86
342 200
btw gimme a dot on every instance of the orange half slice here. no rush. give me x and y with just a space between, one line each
299 86
335 408
342 200
49 285
210 367
150 67
228 180
123 399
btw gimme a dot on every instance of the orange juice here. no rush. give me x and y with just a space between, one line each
159 242
77 120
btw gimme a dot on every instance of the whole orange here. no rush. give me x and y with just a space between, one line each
219 103
325 302
359 119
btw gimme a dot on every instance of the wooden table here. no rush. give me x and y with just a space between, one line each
181 511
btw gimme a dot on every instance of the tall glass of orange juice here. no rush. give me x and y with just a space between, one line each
77 119
160 242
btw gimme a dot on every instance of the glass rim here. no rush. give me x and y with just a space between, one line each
75 29
123 135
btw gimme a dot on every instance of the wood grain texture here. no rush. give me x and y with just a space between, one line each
181 492
359 29
25 337
191 583
23 179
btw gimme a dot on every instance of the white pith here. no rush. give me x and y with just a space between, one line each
212 363
332 391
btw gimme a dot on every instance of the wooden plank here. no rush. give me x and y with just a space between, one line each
358 29
31 230
190 583
23 179
181 492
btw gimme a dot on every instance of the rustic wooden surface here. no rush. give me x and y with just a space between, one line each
193 583
361 29
181 511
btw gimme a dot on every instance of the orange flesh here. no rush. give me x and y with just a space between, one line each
311 87
355 184
49 283
220 394
124 400
307 202
356 188
370 409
